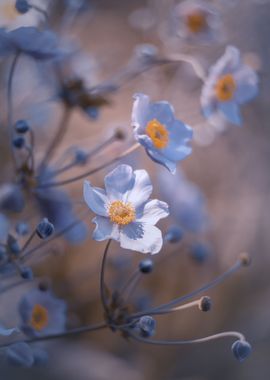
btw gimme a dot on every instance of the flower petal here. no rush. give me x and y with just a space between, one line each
160 159
141 237
141 190
105 229
247 84
119 182
231 112
153 211
95 198
140 111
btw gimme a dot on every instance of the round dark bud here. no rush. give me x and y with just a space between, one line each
21 126
81 157
22 6
241 350
146 266
43 286
119 134
205 304
22 228
147 326
174 234
27 273
45 229
200 252
18 142
245 259
13 245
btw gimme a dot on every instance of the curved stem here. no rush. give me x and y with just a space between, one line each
57 139
204 288
90 172
225 334
102 277
10 104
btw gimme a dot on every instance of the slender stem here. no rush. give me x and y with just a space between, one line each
63 126
102 277
177 308
10 104
198 69
204 288
90 172
55 236
28 241
40 10
225 334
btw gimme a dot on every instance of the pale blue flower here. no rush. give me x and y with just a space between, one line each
230 84
8 331
155 127
42 313
124 212
30 41
186 200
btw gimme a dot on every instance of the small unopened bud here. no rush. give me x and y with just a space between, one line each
81 157
18 142
147 326
146 266
245 259
241 350
26 273
45 229
43 286
22 228
119 134
200 252
21 126
205 304
174 234
22 6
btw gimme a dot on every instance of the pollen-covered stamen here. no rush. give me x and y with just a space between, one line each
39 318
121 213
196 21
225 88
157 133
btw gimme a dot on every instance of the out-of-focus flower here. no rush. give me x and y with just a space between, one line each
7 331
12 17
188 206
11 198
42 313
58 208
230 84
30 41
22 354
196 21
164 137
124 212
4 227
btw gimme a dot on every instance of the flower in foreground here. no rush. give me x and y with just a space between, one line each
230 84
196 21
123 211
42 313
155 127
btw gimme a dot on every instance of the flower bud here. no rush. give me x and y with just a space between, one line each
205 304
200 252
13 245
241 350
26 273
21 126
45 229
18 142
147 326
174 234
119 134
146 266
22 6
245 259
22 228
81 157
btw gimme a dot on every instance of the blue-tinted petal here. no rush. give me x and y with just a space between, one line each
140 112
105 229
141 190
20 354
159 158
153 211
231 112
6 332
95 198
141 237
246 84
162 111
119 182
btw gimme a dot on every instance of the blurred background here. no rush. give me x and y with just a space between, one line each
231 169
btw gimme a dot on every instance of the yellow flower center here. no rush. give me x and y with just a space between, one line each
121 213
196 22
225 88
39 317
157 133
9 11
